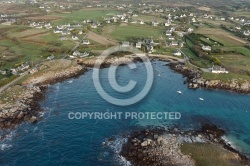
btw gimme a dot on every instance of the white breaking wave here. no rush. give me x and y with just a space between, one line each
5 146
116 147
4 143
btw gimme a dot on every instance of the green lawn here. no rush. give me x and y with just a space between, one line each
245 13
225 40
226 77
243 50
80 15
121 33
189 43
150 18
189 53
235 62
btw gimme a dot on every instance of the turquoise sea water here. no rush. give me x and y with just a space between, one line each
57 140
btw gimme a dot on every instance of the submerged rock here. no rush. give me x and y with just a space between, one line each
33 119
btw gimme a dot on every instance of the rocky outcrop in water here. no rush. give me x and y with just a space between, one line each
155 148
160 147
24 110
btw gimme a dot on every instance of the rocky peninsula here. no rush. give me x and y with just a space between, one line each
161 147
21 101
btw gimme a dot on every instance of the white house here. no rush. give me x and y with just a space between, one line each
57 31
174 43
51 57
85 54
93 26
59 27
76 53
48 26
85 42
65 32
167 24
171 38
142 22
138 44
155 23
125 44
3 72
75 37
206 48
168 33
177 53
190 30
246 33
218 69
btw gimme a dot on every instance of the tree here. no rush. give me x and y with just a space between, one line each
75 31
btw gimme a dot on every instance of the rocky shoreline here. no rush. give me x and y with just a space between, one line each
160 147
194 80
26 107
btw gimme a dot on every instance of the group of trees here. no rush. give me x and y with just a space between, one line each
198 51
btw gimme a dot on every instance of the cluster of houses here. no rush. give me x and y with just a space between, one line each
7 19
23 67
149 44
54 5
40 25
77 53
67 29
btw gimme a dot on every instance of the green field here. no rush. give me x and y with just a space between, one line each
226 77
121 33
80 15
245 13
20 53
189 53
236 62
150 18
225 40
243 50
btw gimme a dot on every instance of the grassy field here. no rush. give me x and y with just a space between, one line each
80 15
237 63
20 53
23 44
221 36
189 53
226 77
121 33
210 155
243 50
26 31
225 40
150 18
245 13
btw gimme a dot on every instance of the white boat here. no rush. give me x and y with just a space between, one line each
159 75
201 99
179 92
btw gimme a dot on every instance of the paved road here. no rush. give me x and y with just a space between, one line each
13 82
